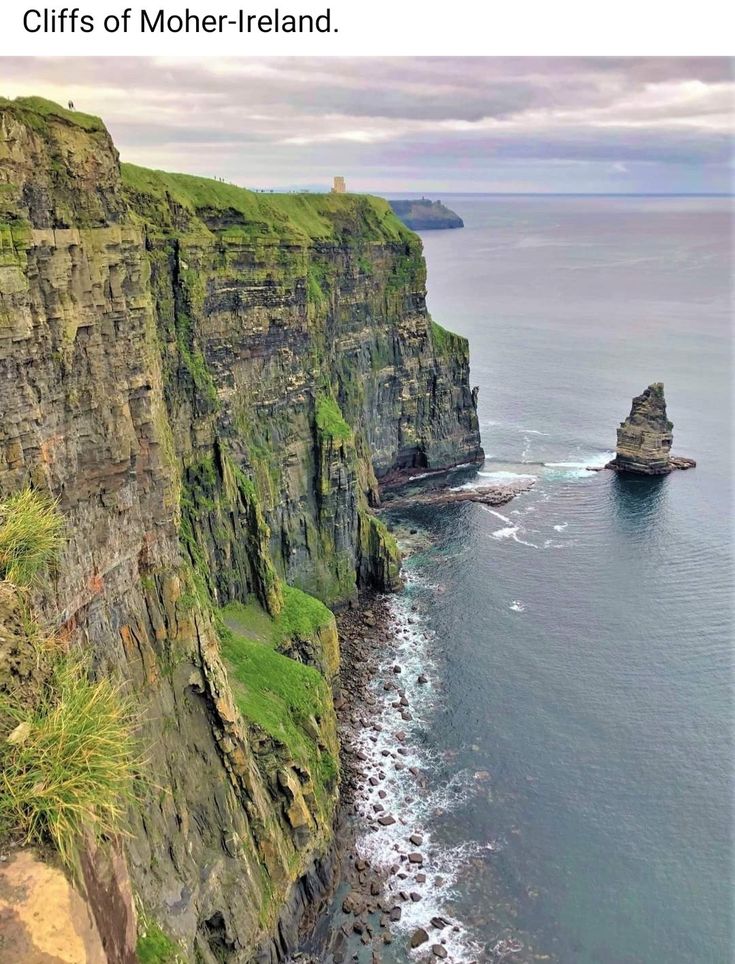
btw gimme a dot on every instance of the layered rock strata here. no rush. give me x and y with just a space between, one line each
645 437
213 383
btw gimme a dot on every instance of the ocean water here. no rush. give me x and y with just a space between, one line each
577 729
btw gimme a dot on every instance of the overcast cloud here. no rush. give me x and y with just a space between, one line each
442 124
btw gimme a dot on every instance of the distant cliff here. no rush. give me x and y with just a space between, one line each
212 383
426 215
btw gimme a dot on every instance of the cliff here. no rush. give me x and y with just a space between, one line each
426 215
212 384
644 439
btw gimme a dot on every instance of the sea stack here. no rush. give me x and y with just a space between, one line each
645 437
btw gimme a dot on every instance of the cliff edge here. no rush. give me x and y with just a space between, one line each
211 383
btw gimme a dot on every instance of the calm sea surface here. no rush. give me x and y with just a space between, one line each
578 726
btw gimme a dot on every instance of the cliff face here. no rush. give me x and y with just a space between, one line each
212 383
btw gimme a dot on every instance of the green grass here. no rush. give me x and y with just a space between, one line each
298 217
445 341
67 762
191 192
14 239
47 108
279 696
251 621
327 216
154 945
31 535
301 617
329 420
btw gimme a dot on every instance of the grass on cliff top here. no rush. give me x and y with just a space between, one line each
43 108
280 696
67 762
444 341
329 419
299 217
31 535
301 617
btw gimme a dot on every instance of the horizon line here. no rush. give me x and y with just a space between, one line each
455 193
577 193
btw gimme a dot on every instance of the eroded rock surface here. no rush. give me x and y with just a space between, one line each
645 437
212 383
43 919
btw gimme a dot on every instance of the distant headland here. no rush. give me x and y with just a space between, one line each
423 214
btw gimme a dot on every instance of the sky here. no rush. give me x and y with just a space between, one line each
525 124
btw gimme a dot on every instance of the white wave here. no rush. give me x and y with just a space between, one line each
498 515
582 468
414 799
504 475
500 478
511 532
433 472
517 606
561 527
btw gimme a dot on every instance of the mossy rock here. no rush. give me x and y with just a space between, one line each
290 705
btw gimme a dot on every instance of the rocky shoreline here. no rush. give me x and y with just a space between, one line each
446 495
370 899
367 906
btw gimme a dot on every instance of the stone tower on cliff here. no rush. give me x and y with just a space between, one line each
339 186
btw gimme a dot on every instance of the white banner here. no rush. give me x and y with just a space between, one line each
385 27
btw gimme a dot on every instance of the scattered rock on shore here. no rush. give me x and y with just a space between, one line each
418 938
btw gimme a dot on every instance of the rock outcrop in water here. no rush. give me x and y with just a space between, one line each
645 437
212 384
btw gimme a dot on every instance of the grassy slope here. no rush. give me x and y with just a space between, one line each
279 697
298 217
302 617
34 110
273 692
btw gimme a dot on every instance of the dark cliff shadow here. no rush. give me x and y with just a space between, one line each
639 500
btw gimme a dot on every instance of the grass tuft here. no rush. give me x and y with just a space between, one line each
67 762
31 534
